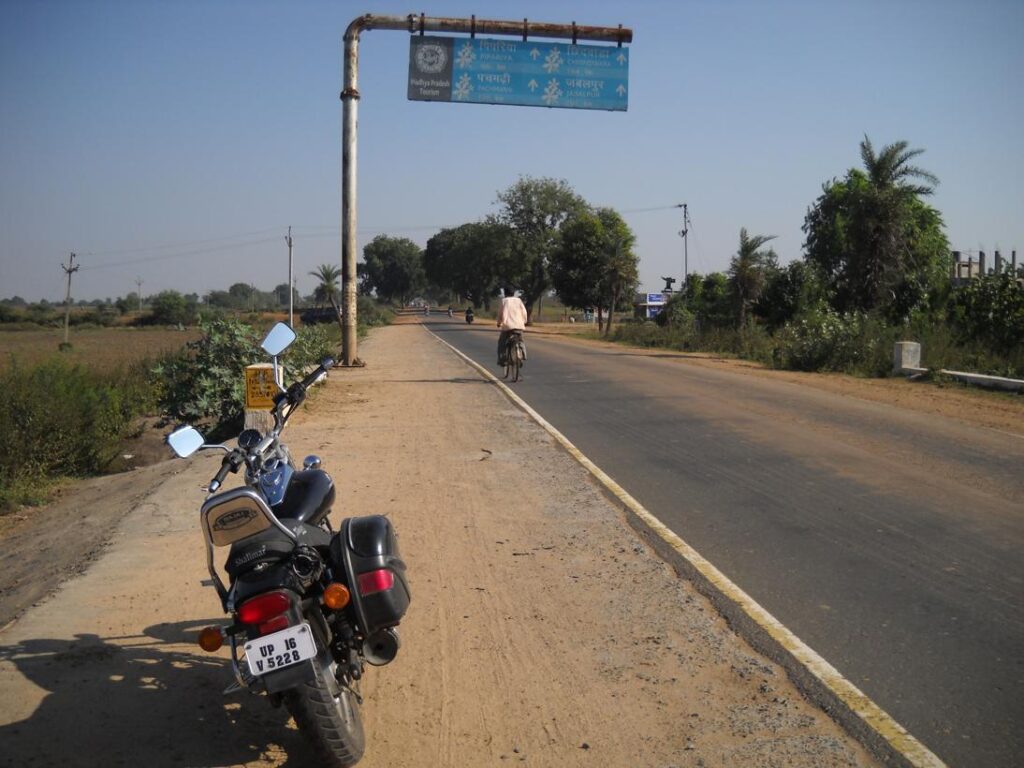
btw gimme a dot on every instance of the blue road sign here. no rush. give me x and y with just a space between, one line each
532 74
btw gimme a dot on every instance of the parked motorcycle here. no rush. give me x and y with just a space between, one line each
309 607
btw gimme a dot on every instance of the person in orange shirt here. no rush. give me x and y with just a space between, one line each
511 317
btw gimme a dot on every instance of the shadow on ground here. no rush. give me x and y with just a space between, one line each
135 701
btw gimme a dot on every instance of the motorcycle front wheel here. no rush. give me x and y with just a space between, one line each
327 714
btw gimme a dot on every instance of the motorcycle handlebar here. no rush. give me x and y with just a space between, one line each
229 464
296 393
327 362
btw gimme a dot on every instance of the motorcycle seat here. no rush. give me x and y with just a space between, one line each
272 546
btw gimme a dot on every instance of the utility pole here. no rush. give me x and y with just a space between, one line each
138 283
683 233
291 291
70 269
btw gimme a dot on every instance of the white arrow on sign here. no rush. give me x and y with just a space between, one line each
534 54
532 85
621 59
621 90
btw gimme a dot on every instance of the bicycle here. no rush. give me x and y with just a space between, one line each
515 355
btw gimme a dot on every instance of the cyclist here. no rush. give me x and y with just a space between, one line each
511 317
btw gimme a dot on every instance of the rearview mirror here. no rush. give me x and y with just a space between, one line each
185 441
278 339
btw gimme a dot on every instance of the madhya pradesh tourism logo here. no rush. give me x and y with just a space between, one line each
431 58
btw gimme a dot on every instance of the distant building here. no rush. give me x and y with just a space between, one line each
965 269
647 306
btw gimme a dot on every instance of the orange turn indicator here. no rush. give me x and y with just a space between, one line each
336 596
211 639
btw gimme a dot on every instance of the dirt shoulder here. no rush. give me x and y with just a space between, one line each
542 630
969 405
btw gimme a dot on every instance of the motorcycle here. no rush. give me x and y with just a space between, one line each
309 606
469 315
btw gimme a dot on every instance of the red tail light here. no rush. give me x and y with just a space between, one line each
376 581
273 625
264 607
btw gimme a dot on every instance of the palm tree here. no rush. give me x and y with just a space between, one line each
328 275
886 255
890 168
747 270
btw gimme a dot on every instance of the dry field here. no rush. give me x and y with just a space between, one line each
98 348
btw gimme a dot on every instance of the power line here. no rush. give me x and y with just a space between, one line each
179 244
200 251
333 230
655 208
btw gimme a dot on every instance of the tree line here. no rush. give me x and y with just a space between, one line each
543 236
168 307
876 267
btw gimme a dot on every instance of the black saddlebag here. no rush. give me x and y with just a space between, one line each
366 551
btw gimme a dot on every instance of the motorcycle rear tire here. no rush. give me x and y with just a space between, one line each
327 714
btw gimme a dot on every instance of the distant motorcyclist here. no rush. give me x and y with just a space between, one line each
469 315
511 318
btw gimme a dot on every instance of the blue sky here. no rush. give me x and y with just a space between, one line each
176 141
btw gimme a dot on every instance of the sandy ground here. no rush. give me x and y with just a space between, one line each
541 631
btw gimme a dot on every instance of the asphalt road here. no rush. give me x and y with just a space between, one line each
889 541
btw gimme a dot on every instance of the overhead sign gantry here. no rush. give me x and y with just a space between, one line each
484 71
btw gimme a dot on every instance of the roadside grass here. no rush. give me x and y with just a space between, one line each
61 419
67 414
859 346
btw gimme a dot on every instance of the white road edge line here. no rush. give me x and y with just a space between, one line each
870 716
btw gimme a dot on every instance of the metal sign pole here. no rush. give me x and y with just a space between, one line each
350 106
349 121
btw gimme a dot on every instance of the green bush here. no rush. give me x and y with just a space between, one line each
990 311
100 317
205 381
63 420
312 344
646 334
372 314
825 340
171 308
